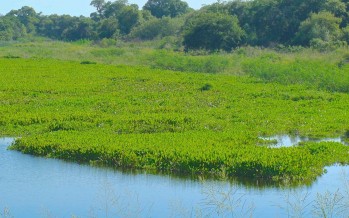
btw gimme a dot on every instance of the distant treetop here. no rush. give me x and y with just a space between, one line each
166 8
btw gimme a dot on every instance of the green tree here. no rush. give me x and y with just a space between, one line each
82 28
320 26
99 5
114 9
108 28
11 28
128 18
277 21
345 21
212 31
6 32
53 26
157 28
161 8
27 16
339 9
268 22
346 34
336 7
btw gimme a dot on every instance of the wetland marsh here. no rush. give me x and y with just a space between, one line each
164 121
236 109
169 124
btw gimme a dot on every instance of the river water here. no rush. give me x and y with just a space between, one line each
289 141
38 187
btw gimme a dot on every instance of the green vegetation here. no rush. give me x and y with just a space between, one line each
315 73
167 88
158 120
212 31
164 8
224 25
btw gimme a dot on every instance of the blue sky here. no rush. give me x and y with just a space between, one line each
72 7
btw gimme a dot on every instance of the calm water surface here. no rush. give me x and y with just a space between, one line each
289 141
39 187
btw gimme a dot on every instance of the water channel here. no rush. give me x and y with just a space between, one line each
39 187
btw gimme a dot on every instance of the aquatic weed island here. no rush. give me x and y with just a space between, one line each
158 120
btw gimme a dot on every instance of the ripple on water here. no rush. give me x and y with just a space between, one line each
6 141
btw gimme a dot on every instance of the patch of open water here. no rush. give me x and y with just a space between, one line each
288 141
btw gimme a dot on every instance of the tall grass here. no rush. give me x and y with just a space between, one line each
324 70
315 73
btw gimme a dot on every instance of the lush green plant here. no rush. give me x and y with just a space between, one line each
322 26
206 87
221 25
157 28
212 31
166 8
11 56
109 28
315 73
87 62
187 63
135 117
346 34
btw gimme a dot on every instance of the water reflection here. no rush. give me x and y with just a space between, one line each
39 187
278 141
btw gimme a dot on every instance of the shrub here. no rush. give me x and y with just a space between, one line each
322 45
11 57
212 31
318 28
107 42
88 62
157 28
206 87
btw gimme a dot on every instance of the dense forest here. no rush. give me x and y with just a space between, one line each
219 26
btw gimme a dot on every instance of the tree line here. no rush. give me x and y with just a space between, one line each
219 26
